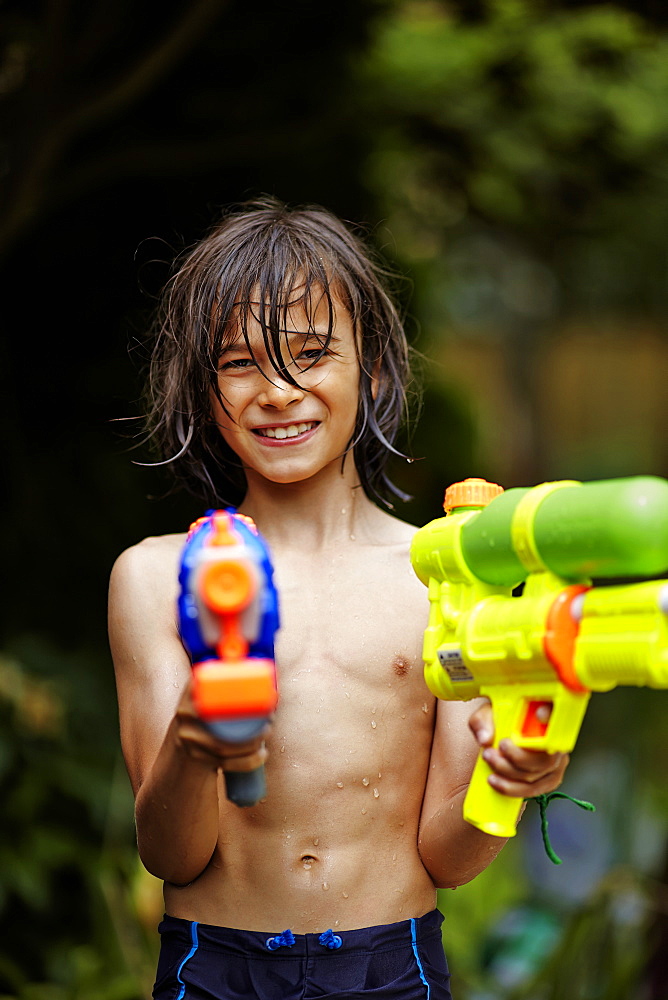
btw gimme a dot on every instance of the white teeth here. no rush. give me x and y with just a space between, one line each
292 430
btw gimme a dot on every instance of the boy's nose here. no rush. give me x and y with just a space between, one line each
279 393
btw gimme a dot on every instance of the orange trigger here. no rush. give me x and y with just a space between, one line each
537 718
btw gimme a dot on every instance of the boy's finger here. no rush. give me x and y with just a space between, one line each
528 770
528 761
481 725
526 789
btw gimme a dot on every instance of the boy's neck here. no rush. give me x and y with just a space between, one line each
311 515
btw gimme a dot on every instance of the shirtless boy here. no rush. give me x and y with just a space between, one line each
278 384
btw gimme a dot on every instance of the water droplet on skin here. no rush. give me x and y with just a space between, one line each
373 711
379 775
373 724
283 748
316 841
376 793
363 812
425 708
325 886
352 538
345 895
365 781
306 866
347 694
339 784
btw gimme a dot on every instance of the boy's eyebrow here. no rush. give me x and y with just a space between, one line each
241 345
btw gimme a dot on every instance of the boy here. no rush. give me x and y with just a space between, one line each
278 384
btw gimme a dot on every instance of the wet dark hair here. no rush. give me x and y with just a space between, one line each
258 261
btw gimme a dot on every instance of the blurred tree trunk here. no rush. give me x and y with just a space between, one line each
51 97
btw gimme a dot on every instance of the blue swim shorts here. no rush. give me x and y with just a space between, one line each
401 961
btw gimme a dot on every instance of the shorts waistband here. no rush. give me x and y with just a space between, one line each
233 941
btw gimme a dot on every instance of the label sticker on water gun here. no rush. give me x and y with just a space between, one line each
452 662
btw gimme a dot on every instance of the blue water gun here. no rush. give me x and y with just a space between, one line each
228 618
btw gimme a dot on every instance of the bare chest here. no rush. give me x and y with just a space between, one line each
357 617
349 648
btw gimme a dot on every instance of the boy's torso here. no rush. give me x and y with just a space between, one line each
335 842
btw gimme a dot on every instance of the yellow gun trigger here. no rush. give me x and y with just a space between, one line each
521 528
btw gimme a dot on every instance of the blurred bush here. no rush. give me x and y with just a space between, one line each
78 913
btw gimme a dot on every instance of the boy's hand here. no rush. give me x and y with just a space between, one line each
200 743
516 771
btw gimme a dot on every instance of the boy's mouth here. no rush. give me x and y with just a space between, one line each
286 430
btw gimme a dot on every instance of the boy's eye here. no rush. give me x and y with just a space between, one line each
311 355
237 364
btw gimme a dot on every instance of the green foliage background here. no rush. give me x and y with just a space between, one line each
509 158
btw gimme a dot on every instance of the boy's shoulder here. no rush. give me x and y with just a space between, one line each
153 550
392 530
150 565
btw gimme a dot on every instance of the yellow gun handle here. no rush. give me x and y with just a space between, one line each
517 716
488 809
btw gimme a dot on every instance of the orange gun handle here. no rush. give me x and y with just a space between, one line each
235 701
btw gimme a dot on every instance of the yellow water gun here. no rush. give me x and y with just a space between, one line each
538 655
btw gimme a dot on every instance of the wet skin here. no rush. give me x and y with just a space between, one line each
365 773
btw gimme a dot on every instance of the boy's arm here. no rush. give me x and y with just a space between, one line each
452 850
172 760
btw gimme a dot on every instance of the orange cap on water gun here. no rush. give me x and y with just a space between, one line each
470 493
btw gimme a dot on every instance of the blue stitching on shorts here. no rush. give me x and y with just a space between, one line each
195 944
417 956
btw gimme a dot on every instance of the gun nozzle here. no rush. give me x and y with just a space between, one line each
470 493
227 586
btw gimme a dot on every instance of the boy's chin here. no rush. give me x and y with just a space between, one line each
295 478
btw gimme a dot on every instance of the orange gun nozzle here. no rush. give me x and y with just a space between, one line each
227 586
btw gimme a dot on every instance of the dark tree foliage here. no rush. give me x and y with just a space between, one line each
128 126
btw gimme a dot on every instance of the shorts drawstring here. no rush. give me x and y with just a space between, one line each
328 939
284 940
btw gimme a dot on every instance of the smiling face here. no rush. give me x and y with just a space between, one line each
290 425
